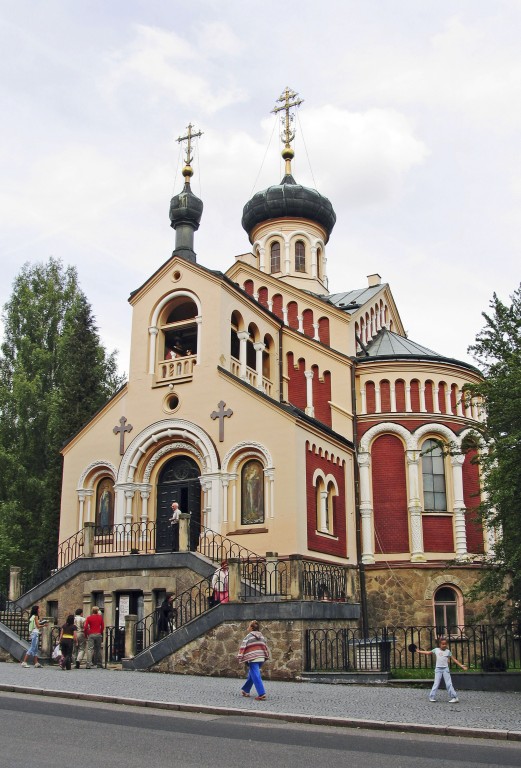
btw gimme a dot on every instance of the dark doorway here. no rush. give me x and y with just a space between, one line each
126 603
178 481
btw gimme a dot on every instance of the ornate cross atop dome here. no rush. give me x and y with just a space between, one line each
289 99
187 170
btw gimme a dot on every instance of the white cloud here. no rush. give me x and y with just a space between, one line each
168 65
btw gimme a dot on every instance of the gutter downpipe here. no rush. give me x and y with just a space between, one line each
361 565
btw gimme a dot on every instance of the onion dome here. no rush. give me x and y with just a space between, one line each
288 200
186 208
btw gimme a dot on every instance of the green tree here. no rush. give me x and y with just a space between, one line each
498 351
54 375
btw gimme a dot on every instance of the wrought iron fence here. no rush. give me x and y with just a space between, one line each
261 578
479 647
188 605
125 538
17 619
70 549
217 547
324 581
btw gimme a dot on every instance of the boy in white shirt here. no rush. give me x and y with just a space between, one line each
443 655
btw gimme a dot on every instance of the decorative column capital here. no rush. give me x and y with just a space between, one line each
457 459
308 374
412 457
243 335
153 330
259 346
364 459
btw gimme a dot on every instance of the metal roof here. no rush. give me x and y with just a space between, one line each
350 301
389 344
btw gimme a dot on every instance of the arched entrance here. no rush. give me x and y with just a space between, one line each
178 481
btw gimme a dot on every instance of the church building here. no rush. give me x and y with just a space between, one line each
289 416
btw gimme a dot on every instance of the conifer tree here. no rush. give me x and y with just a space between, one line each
54 375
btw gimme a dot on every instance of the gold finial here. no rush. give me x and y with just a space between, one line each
288 100
187 170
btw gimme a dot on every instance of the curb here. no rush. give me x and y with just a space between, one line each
339 722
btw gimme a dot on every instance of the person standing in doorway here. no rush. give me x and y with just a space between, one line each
94 627
34 633
167 615
254 652
81 642
442 655
174 522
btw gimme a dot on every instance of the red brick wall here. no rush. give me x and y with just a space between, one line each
442 388
370 398
327 545
323 330
453 399
385 396
415 396
438 534
263 296
296 383
322 396
399 389
293 314
277 306
472 499
307 323
389 495
248 287
429 396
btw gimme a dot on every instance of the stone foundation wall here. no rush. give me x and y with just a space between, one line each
76 592
215 654
404 596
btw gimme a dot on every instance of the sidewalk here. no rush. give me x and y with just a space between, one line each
479 714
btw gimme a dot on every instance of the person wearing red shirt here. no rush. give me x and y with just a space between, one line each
93 629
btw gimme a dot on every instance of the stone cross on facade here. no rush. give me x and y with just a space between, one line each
123 427
221 414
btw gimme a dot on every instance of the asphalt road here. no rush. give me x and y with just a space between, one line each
58 732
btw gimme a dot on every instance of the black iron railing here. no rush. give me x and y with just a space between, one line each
217 547
17 619
324 581
188 605
71 549
264 578
125 538
479 647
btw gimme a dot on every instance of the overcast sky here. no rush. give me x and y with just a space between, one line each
411 121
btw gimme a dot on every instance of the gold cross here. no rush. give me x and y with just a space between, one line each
188 138
288 100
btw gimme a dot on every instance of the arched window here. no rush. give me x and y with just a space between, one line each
252 493
275 257
105 503
433 474
300 256
325 506
447 610
180 328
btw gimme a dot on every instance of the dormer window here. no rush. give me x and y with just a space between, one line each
300 256
275 257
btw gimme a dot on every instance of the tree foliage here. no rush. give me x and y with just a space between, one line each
498 351
54 375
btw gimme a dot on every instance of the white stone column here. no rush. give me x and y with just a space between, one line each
285 315
129 496
414 507
225 483
460 530
436 399
259 348
448 405
269 474
243 337
199 321
314 270
316 334
363 403
366 507
270 305
287 257
89 514
310 411
256 296
300 321
408 406
262 258
392 389
460 402
377 398
322 523
145 495
119 504
152 332
423 407
81 498
233 480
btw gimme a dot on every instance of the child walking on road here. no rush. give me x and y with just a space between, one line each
442 654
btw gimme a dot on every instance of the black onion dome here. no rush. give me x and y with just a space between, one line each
186 208
288 199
